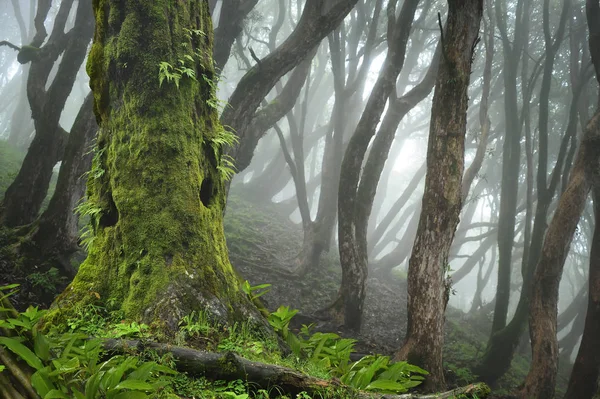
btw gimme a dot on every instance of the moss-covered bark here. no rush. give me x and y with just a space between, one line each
155 192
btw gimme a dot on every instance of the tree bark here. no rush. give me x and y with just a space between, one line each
540 381
442 199
347 308
584 376
156 190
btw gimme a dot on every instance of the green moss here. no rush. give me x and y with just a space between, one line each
159 248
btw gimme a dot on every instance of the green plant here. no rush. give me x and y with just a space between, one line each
70 365
330 350
87 208
376 373
221 139
47 280
235 389
250 290
90 320
168 72
130 330
195 324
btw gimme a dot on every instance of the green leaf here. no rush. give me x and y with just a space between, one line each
412 383
55 394
386 386
78 394
143 372
69 366
41 383
115 374
41 346
9 287
135 385
92 385
21 323
22 351
130 395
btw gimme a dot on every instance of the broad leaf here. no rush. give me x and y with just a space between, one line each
22 351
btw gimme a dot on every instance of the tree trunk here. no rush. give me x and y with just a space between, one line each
23 199
318 20
541 379
584 376
543 307
156 190
349 303
427 296
511 154
57 231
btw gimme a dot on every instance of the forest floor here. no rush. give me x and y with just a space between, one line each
263 242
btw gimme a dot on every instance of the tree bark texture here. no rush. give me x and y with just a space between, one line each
156 190
442 197
584 376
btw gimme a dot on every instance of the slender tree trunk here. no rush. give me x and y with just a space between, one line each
442 199
584 375
511 156
57 233
156 191
543 307
348 306
540 381
23 199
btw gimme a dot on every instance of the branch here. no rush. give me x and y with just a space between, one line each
9 44
254 57
479 390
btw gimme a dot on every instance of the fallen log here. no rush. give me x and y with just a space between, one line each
229 366
478 390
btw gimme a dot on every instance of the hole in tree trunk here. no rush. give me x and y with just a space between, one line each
111 216
206 191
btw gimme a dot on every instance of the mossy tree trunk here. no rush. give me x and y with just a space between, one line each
156 190
442 199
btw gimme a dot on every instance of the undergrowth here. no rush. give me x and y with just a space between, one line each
74 365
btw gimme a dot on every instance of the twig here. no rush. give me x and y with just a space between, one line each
9 44
254 57
442 39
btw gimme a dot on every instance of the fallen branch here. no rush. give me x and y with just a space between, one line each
229 366
479 389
